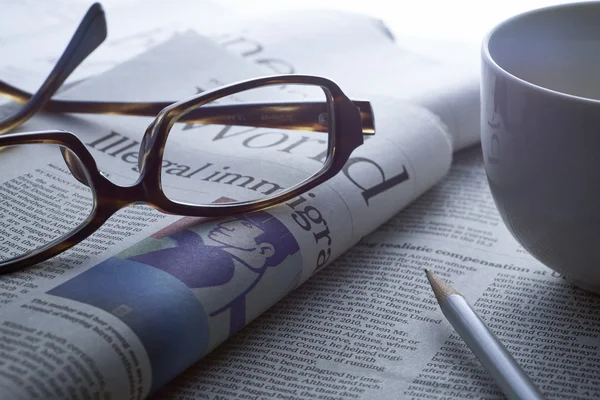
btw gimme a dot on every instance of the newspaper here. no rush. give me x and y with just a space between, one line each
106 330
101 321
35 34
368 326
401 68
442 77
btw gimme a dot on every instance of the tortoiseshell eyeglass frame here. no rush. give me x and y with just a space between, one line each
346 123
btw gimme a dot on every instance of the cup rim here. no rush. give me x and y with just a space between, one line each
490 62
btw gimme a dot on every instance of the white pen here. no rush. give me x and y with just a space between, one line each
508 375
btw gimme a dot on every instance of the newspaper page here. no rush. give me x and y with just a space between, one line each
107 319
368 326
357 51
352 49
35 34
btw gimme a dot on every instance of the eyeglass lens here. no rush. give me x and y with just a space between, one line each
46 200
200 164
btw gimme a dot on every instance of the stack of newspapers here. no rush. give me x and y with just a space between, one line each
152 305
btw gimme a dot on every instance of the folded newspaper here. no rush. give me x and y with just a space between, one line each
169 307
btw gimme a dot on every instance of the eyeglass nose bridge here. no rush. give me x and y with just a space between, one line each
121 196
149 149
111 197
74 165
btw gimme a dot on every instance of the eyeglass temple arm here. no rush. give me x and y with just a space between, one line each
90 33
305 116
309 116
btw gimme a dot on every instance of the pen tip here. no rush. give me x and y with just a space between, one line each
441 289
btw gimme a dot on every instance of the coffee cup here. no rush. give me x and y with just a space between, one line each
540 134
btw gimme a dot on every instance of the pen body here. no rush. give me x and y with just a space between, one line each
502 367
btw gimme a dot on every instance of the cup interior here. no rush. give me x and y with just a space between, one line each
557 48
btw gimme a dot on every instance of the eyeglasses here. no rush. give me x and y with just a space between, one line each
63 198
